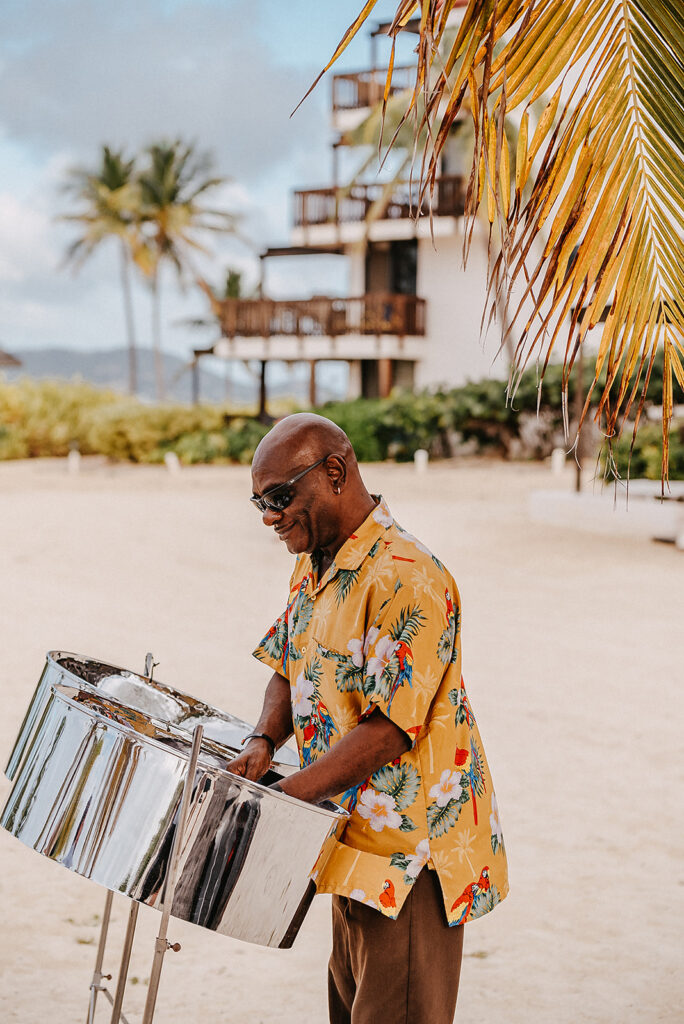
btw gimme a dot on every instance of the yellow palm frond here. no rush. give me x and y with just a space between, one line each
599 175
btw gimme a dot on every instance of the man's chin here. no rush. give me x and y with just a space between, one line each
294 542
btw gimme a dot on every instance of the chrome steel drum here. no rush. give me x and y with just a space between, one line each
154 699
98 790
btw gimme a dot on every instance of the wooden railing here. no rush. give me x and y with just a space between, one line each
375 313
348 205
360 89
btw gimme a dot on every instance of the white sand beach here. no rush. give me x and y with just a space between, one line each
572 658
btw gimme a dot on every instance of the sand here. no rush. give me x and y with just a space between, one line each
572 657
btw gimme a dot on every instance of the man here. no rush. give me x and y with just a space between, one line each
367 673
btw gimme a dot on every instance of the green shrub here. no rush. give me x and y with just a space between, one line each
646 456
242 437
47 417
409 422
143 433
359 420
195 446
234 442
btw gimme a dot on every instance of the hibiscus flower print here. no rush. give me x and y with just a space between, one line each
379 810
361 646
414 540
495 825
384 649
448 788
417 862
382 515
360 895
300 691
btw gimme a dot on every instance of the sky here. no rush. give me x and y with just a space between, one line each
223 74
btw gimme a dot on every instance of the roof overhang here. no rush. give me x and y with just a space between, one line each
334 249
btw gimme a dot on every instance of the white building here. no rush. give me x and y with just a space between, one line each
413 314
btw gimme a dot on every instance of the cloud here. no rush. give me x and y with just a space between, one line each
76 73
224 73
24 240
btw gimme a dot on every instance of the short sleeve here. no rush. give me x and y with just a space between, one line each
409 651
273 649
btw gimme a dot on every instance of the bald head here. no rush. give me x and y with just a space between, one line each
305 437
309 463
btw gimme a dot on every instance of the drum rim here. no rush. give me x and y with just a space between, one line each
165 688
53 655
60 691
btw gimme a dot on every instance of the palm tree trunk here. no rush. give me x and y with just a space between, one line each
130 323
156 338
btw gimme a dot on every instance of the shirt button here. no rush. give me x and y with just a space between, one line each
304 649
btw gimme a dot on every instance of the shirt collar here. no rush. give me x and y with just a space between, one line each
357 546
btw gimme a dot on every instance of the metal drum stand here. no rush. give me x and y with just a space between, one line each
162 945
124 780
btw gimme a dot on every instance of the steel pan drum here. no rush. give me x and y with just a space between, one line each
98 789
154 699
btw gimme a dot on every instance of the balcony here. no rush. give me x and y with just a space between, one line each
360 89
323 317
352 205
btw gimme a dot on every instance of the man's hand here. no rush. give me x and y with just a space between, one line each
253 762
276 721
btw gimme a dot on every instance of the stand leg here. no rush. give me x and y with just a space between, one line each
161 944
125 960
95 984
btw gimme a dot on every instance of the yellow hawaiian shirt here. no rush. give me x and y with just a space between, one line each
382 629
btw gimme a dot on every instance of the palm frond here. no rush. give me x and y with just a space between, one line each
599 178
408 623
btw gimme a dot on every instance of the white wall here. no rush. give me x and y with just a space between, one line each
454 349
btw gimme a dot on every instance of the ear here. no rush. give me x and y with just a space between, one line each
337 472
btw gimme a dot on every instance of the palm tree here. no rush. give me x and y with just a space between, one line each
171 185
109 200
608 151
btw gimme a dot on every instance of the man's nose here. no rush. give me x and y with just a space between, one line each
270 516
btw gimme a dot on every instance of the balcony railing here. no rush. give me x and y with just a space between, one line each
375 313
360 89
349 205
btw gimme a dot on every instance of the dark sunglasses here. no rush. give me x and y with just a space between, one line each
282 493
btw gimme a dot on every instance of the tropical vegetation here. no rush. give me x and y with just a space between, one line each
153 205
172 184
108 209
605 204
48 418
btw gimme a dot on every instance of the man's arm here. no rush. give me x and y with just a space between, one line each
371 744
276 721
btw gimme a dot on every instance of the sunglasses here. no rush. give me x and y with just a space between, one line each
276 499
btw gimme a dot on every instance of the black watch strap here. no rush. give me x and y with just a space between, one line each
260 736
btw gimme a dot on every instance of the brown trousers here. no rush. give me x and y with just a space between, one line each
395 972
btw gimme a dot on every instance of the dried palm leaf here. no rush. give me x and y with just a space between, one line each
606 199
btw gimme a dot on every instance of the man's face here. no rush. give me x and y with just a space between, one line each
308 522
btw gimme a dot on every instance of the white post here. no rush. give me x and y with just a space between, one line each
557 461
420 460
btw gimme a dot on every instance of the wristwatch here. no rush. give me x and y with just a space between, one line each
260 736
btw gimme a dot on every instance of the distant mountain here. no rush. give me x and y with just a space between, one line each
109 368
